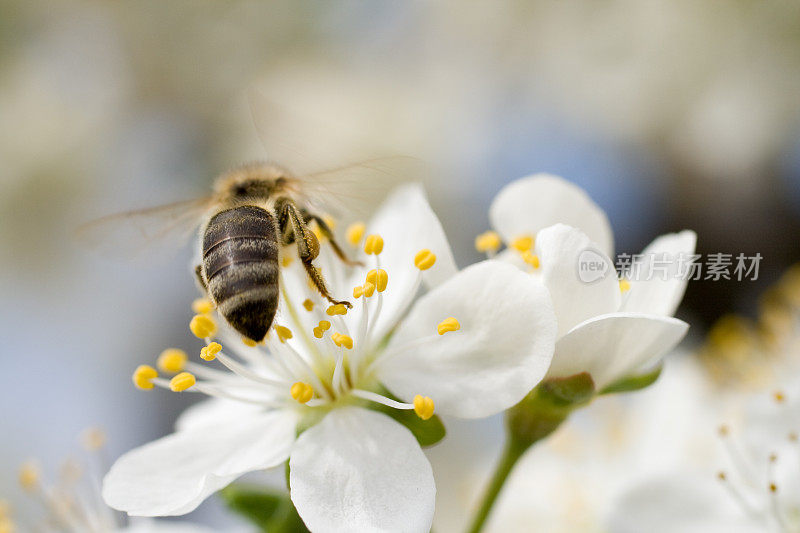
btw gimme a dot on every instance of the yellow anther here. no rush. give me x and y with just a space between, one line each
209 353
424 259
172 360
358 290
336 309
29 475
355 232
284 333
531 258
318 332
522 244
308 305
249 342
373 245
423 406
202 306
203 326
447 325
624 285
93 439
143 376
379 278
302 392
182 381
342 341
329 221
324 325
488 241
286 260
369 289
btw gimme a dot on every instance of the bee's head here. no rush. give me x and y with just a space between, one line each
254 181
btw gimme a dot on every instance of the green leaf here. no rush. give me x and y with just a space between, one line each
635 382
272 511
427 432
543 410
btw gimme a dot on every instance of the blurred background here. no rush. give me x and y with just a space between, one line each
672 114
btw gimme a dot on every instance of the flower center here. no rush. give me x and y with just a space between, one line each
315 357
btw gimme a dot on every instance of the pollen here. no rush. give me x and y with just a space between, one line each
373 245
249 342
773 488
202 306
355 232
424 259
530 258
522 244
369 289
624 285
342 341
423 406
488 241
302 392
203 326
336 309
379 278
283 332
308 305
182 381
286 260
324 325
779 396
143 376
172 360
209 353
358 291
329 221
447 325
29 475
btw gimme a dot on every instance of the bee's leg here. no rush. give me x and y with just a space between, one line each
327 232
307 247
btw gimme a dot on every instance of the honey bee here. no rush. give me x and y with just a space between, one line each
255 211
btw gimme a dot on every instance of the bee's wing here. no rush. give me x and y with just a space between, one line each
314 151
354 191
146 233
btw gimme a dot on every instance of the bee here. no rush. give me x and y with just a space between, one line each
255 212
259 209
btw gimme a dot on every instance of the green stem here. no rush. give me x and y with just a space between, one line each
513 451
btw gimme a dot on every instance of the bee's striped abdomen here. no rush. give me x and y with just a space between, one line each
240 266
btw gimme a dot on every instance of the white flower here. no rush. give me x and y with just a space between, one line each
608 327
755 489
474 345
72 504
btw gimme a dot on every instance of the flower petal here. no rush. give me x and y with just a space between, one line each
501 352
211 411
612 346
407 224
577 294
173 475
530 204
359 470
662 292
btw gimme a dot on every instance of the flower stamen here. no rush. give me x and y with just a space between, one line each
423 406
172 360
143 377
447 325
